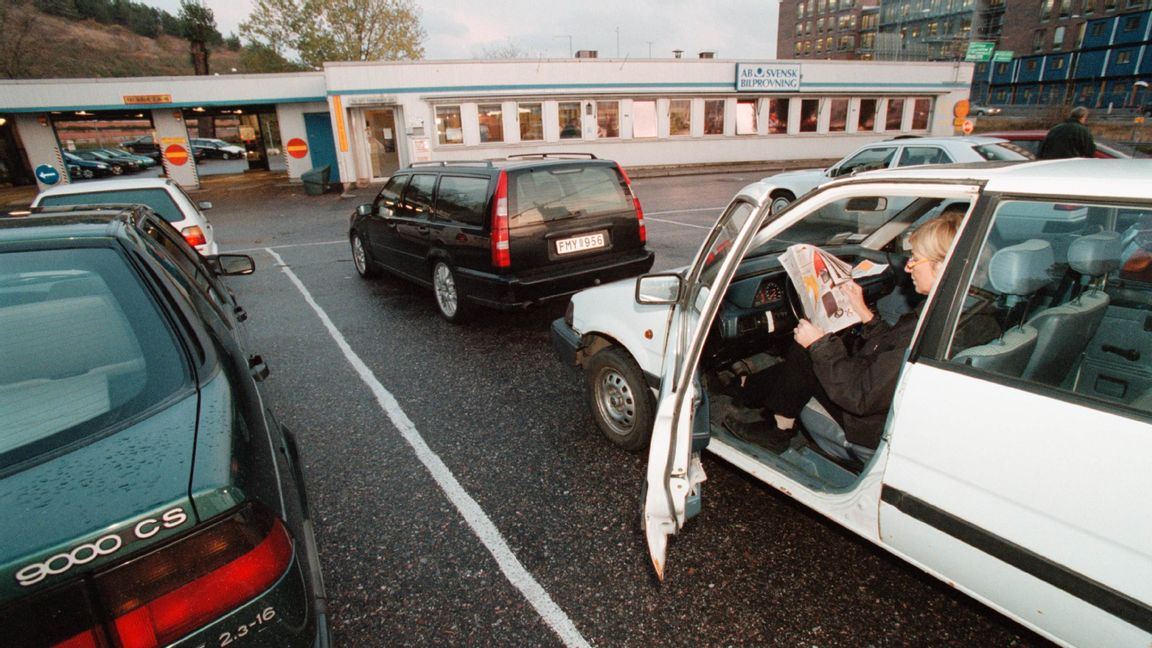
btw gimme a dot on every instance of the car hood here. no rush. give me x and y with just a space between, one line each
109 486
611 309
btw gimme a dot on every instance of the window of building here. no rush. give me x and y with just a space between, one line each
1098 29
799 48
1109 5
847 43
746 117
895 116
1131 23
643 119
1038 39
809 115
799 29
1058 38
1056 64
838 120
799 9
777 116
1080 35
1123 58
714 117
1089 6
1032 65
680 117
1001 68
448 129
921 113
569 119
1045 10
491 122
1065 8
531 121
608 119
866 120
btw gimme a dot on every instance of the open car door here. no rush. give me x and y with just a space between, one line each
674 470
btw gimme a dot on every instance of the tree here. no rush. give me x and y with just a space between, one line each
507 50
258 57
20 24
337 30
199 27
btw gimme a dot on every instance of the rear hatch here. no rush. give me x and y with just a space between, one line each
572 214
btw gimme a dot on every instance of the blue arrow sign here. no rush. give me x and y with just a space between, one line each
47 174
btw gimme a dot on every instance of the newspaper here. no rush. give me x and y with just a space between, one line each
819 278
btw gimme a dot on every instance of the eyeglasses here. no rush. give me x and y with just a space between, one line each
915 261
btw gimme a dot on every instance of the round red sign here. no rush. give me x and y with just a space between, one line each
297 147
176 154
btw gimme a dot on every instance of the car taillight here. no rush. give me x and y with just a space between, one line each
501 253
194 235
162 596
636 203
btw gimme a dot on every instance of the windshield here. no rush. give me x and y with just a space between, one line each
847 222
84 349
158 199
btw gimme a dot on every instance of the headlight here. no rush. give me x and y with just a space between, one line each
568 313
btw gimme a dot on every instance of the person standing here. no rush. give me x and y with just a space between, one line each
1068 139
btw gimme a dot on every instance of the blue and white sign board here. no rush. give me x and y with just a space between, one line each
767 77
47 174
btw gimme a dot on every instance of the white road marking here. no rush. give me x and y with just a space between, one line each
481 525
288 245
661 220
685 211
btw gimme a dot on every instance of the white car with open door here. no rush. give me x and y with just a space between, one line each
1013 467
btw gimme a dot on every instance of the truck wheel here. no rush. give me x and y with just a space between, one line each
620 399
449 296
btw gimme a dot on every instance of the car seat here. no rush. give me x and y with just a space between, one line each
1065 330
1016 272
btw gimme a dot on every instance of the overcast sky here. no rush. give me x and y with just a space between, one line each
734 29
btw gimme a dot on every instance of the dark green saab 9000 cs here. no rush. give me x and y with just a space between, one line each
147 496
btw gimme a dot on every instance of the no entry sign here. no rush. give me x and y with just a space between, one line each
175 154
297 147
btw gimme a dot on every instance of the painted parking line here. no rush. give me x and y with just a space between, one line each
287 245
477 520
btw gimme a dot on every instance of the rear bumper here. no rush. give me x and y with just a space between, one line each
509 292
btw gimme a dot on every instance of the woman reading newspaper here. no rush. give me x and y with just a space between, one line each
855 386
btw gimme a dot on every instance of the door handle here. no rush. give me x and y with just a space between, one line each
1128 354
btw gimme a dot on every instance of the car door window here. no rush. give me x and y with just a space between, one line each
879 157
389 196
186 265
917 155
462 199
418 197
1058 298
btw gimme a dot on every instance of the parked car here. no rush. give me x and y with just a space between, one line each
151 498
164 196
143 145
1007 467
503 234
1030 141
118 166
217 148
900 152
144 161
78 167
979 110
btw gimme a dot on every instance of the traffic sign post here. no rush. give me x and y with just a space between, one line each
47 174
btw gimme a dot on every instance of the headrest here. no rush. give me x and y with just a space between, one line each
1095 254
1021 269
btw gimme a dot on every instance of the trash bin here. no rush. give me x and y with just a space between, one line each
316 180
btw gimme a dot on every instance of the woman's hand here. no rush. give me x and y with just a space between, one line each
807 333
855 295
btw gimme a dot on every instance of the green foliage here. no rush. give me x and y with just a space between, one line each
232 42
257 58
337 30
62 8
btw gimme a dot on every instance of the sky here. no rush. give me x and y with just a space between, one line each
459 29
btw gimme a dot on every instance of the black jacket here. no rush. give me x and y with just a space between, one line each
1067 139
863 383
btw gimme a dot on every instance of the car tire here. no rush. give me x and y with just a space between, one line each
225 156
780 200
620 399
450 299
88 173
117 170
362 258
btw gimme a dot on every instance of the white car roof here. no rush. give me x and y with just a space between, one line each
972 140
1074 178
119 184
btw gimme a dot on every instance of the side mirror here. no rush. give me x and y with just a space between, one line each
364 210
231 264
204 204
659 288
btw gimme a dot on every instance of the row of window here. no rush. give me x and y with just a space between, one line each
813 7
601 119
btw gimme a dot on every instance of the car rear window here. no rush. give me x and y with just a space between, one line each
1003 151
84 347
542 195
158 199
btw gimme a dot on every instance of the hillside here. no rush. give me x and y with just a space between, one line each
39 46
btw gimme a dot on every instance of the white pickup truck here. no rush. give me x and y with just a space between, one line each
1014 469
